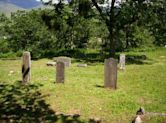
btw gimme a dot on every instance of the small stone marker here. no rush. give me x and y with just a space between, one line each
122 61
94 120
50 63
26 67
66 60
60 72
82 65
110 73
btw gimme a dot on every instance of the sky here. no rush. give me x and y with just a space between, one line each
33 3
23 3
56 1
106 3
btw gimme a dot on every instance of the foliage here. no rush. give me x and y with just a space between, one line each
68 27
142 37
4 26
158 22
28 32
44 32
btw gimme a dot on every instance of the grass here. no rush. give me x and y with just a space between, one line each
143 84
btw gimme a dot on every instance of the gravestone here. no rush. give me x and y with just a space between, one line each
122 61
110 73
50 63
26 67
66 60
82 65
60 72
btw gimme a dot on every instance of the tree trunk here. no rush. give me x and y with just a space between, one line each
127 36
112 30
112 36
110 22
112 45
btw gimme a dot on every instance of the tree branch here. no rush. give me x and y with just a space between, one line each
101 13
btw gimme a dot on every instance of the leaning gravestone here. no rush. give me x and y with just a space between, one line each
60 72
26 67
122 61
66 60
110 73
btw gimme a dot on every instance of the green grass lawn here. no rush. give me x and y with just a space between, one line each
143 83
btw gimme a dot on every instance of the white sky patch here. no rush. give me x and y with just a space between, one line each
45 1
55 1
38 0
65 2
107 3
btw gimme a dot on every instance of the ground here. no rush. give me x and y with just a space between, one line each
143 83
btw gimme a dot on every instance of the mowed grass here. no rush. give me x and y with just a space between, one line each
139 85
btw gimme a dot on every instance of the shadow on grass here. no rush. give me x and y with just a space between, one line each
138 59
99 86
80 56
24 103
92 58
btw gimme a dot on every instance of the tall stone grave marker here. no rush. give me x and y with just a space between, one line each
60 72
122 61
110 73
26 67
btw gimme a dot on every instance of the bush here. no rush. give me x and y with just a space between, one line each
8 55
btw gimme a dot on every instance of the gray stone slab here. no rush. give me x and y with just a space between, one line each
110 73
60 72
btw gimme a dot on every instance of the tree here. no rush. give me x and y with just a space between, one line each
117 15
28 32
70 25
157 21
4 26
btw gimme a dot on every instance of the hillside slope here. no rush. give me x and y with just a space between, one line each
26 4
7 8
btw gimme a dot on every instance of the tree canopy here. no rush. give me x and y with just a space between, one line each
108 26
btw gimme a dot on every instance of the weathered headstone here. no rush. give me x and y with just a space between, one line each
66 60
110 73
122 61
26 67
60 72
